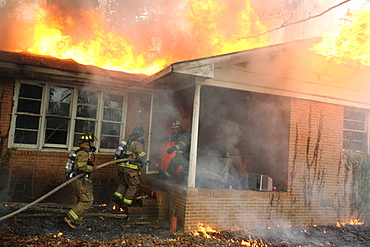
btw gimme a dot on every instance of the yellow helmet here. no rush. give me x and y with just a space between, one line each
176 124
87 138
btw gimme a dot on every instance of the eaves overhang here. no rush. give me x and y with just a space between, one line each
185 72
30 66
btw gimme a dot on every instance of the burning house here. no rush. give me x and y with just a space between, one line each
288 118
285 114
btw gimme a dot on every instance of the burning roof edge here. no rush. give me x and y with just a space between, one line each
21 63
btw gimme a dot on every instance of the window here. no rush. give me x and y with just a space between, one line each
111 122
57 115
355 130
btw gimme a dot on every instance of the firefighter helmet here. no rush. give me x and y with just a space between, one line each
87 138
176 124
138 132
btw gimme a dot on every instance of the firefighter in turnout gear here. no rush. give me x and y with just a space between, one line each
82 187
129 172
181 144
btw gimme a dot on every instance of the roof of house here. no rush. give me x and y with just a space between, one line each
32 66
290 69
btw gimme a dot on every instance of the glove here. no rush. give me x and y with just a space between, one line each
171 150
92 169
148 162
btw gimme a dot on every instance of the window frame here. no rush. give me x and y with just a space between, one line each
365 132
40 143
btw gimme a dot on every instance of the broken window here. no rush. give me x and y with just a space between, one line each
57 115
355 130
112 120
86 115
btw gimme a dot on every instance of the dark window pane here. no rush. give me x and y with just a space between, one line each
347 135
58 109
86 111
352 125
57 123
25 137
85 97
56 136
359 146
30 106
354 115
30 91
83 126
27 122
112 114
110 129
76 137
56 130
111 100
360 126
359 136
348 125
110 142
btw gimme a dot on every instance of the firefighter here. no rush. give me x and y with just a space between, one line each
82 187
181 144
129 172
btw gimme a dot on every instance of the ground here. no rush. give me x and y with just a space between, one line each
33 229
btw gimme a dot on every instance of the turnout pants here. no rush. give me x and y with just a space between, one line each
129 180
83 196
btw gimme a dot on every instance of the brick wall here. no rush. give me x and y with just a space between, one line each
317 171
147 212
6 94
34 173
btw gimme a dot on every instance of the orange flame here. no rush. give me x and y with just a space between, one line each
59 235
204 230
348 44
350 222
93 45
207 28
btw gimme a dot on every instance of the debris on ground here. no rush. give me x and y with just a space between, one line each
35 229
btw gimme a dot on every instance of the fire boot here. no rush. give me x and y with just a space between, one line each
117 200
71 223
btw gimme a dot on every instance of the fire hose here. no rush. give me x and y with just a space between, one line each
58 188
